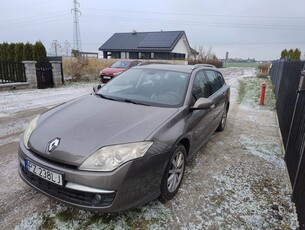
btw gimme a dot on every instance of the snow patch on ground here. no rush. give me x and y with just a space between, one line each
33 221
241 200
151 216
19 100
268 149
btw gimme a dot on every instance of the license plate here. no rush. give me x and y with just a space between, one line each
107 77
43 173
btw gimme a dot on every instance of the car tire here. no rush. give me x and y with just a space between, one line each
223 121
173 174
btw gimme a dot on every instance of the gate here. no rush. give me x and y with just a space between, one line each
44 75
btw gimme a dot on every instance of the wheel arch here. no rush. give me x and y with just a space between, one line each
186 143
228 106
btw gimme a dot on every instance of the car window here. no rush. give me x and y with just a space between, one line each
214 80
134 64
221 79
148 86
201 88
120 64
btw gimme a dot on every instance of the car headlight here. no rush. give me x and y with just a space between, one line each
28 131
111 157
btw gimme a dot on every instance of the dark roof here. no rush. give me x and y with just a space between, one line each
143 41
194 52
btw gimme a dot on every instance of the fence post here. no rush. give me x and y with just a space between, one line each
263 92
30 73
57 73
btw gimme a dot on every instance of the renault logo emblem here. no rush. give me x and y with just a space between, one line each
53 144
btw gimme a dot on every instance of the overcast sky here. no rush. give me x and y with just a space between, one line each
258 29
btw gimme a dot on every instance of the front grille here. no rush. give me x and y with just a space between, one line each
69 195
44 158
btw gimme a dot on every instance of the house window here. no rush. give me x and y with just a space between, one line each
125 55
152 55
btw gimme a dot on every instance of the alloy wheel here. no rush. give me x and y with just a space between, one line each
176 171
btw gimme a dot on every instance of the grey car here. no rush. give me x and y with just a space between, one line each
128 142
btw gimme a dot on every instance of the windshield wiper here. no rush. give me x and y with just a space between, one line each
120 99
105 97
134 102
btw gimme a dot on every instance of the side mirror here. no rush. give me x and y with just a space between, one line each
96 88
203 103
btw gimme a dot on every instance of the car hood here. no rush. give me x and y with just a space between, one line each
111 71
89 123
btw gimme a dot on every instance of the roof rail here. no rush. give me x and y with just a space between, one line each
203 65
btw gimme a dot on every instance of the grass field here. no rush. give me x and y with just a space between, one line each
250 90
241 64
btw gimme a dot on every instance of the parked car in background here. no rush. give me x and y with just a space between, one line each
128 142
116 68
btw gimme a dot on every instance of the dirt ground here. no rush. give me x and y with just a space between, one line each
237 181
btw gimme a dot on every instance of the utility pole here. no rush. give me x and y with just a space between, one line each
77 44
56 48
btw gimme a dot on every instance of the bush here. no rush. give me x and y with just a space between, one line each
28 52
11 52
4 52
261 75
205 57
39 52
77 68
264 69
19 52
214 62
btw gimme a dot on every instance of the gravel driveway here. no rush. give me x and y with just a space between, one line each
237 181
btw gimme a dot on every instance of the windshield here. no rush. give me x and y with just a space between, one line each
148 86
120 64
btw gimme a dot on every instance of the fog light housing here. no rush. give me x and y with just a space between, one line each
97 199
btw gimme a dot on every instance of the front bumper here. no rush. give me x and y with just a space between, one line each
105 78
134 183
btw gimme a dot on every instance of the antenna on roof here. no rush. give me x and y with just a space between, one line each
134 31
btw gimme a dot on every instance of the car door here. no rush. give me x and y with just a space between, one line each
218 95
199 121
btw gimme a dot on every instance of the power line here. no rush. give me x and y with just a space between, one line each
27 5
34 19
77 44
193 14
202 23
34 22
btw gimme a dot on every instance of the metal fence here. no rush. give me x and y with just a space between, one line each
290 93
12 72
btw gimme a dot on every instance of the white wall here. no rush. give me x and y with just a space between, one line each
182 47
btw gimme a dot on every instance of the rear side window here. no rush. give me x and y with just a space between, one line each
220 77
215 80
201 88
